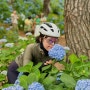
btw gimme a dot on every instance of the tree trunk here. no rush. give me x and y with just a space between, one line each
46 7
77 26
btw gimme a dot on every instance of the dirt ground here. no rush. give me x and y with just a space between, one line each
62 40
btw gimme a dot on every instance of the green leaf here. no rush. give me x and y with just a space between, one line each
49 80
6 85
26 68
23 81
37 72
68 80
73 58
2 77
32 77
54 71
83 57
55 87
42 76
86 64
37 66
46 67
76 74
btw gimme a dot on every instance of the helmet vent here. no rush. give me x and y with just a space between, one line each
58 31
52 30
43 28
49 25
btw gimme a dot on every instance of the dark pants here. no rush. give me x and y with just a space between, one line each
12 72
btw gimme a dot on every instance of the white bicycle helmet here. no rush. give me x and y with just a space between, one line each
49 29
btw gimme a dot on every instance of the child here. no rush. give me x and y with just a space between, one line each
14 20
43 18
28 25
37 52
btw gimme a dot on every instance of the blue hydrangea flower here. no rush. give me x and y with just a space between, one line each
36 86
57 52
9 44
18 87
20 74
9 88
58 79
17 82
3 40
15 87
59 74
83 84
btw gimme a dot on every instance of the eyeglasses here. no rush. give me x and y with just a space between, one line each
52 40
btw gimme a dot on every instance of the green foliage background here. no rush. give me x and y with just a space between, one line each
32 8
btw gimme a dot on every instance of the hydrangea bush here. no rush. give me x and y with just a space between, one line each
55 80
57 52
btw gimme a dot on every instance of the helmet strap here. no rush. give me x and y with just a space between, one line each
42 47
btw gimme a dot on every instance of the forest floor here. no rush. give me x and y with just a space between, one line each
62 40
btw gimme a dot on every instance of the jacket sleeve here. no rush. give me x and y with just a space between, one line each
27 57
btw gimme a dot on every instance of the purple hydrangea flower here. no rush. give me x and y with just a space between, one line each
15 87
83 84
57 52
36 86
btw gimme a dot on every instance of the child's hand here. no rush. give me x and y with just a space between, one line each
59 66
48 62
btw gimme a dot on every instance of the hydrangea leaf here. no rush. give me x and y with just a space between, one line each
32 77
23 80
49 80
73 58
68 80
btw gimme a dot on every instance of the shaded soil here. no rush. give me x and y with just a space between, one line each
21 33
62 40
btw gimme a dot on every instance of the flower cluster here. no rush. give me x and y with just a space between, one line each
15 87
36 86
4 72
3 40
67 48
9 44
28 34
83 84
57 52
23 38
17 82
59 75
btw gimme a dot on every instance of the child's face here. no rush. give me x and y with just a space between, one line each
14 12
48 42
37 16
